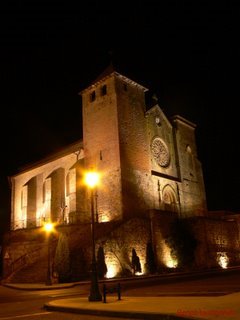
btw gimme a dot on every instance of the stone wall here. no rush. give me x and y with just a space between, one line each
118 245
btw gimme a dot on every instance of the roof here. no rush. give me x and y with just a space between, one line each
109 71
71 148
183 120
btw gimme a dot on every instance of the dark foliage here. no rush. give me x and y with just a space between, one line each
150 259
182 243
101 265
136 265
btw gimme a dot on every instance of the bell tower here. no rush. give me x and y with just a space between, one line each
114 139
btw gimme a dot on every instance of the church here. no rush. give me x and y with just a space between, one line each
150 176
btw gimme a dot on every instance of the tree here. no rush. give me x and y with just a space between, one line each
101 265
62 259
150 259
182 243
136 265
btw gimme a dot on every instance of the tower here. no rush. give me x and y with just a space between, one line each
115 143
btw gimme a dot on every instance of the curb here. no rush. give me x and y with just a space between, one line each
118 314
50 287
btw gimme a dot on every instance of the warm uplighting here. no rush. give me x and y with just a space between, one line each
111 271
92 179
104 217
169 261
112 263
223 260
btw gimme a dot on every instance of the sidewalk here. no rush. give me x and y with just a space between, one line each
167 308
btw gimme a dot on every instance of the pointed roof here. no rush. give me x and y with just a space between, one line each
107 73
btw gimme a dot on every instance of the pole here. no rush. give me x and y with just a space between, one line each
95 294
49 266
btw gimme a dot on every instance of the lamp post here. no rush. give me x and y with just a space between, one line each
48 227
92 179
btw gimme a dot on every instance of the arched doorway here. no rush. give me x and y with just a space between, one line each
169 199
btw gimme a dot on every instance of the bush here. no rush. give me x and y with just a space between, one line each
150 259
101 265
136 265
182 243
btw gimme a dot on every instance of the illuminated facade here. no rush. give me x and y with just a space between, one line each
146 161
149 170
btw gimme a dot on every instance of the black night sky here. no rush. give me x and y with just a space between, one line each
187 52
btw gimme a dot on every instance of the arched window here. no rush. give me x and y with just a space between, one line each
190 160
103 90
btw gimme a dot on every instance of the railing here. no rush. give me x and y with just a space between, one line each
71 218
23 223
21 262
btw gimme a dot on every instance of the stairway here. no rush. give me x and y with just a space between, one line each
35 273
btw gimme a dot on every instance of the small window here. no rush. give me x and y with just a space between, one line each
188 149
103 90
158 121
92 96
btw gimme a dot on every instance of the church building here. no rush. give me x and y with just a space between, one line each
150 175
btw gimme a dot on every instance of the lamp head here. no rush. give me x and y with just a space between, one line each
49 227
92 179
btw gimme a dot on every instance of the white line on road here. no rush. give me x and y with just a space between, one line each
63 295
25 315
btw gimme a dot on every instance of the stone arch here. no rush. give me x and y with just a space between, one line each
169 199
57 193
28 204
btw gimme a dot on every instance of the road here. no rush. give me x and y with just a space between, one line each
21 304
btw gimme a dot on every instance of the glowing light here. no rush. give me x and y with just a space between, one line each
138 273
168 260
104 217
112 272
112 263
49 227
171 263
223 260
91 179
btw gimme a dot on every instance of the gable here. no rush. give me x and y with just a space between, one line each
157 116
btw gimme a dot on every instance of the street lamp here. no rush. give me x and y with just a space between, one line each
49 228
92 179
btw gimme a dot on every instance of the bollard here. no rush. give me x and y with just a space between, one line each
113 289
104 293
119 291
